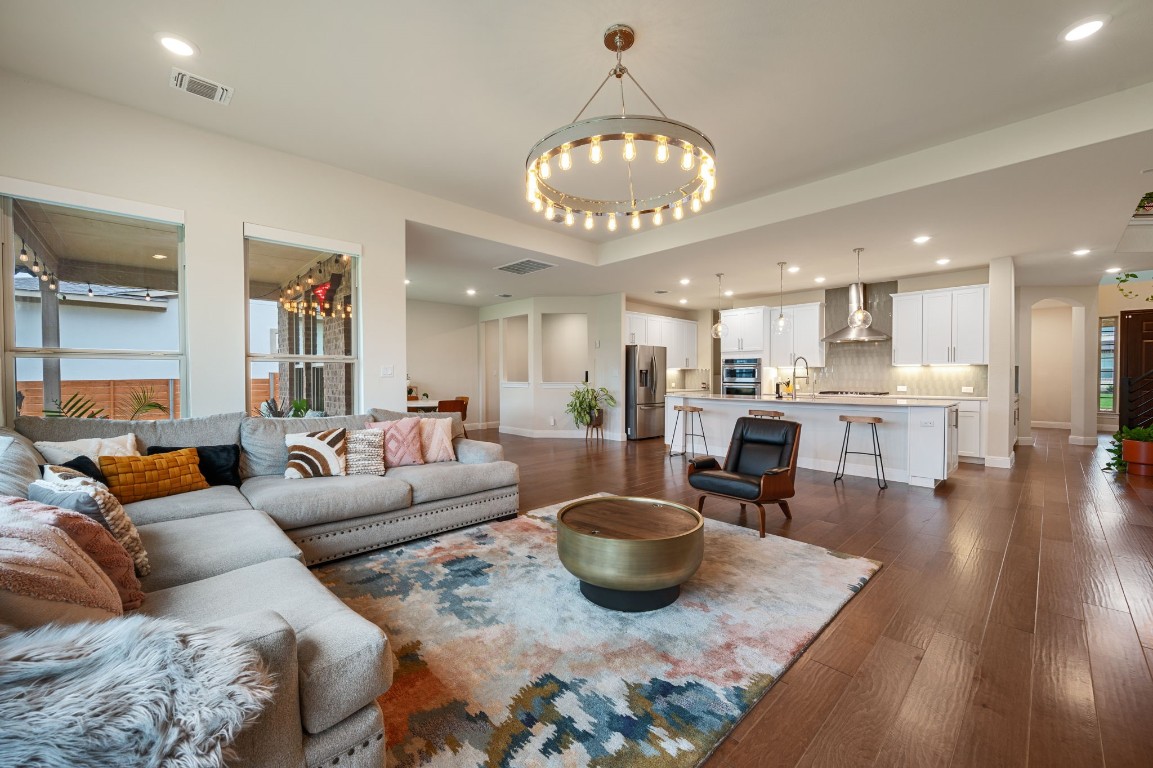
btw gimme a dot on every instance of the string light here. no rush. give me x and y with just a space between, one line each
23 252
35 267
147 295
91 293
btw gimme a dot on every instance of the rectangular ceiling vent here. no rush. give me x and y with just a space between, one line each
198 86
524 266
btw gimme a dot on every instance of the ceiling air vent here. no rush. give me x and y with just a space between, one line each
524 266
198 86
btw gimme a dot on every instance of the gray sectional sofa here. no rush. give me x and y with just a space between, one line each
237 558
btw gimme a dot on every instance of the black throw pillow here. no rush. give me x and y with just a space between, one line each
84 466
220 464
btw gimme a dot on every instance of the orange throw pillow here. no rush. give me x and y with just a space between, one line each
136 478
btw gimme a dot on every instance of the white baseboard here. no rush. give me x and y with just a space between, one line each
1079 440
1026 441
567 434
1051 425
1001 462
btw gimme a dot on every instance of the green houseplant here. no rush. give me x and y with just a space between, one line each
586 405
1132 451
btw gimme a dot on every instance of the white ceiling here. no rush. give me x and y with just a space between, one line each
447 99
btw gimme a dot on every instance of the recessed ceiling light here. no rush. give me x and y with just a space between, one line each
1113 270
818 279
177 45
471 292
942 262
922 239
159 256
1084 28
794 270
407 281
683 301
728 293
684 281
1081 252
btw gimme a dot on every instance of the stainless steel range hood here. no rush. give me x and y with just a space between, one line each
847 334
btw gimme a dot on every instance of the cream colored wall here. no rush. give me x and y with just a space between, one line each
632 305
935 280
443 351
564 347
1111 302
58 137
1052 361
775 299
515 348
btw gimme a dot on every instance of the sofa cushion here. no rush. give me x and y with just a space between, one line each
445 480
344 659
476 451
211 500
316 454
436 440
262 440
76 501
220 464
292 503
92 447
138 478
381 414
19 463
182 551
365 452
202 430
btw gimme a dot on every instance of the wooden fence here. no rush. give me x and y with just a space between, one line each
112 395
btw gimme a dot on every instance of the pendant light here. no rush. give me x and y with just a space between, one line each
720 330
859 317
782 322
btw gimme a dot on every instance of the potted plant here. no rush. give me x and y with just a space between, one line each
1132 451
586 405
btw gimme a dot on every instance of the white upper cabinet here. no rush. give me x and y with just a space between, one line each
654 326
746 329
804 328
908 334
635 324
679 337
951 326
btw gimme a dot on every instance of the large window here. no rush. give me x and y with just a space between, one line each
1106 364
302 350
93 299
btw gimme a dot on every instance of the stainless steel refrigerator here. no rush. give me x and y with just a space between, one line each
644 391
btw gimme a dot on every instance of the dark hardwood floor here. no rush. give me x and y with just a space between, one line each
1011 625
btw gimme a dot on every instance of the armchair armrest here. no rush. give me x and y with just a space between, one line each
699 463
277 730
776 471
477 451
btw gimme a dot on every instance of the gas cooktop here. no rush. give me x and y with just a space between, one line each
849 392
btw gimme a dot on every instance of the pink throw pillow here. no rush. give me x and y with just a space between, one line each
401 441
436 440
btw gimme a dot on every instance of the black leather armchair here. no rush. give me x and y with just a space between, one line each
759 469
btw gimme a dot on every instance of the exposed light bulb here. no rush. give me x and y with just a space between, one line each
310 280
147 295
707 195
720 330
91 293
678 211
630 149
545 168
782 323
44 277
537 205
550 212
530 188
35 267
636 220
595 154
729 293
568 217
23 254
860 318
687 158
588 221
612 222
663 150
658 219
565 158
696 204
52 283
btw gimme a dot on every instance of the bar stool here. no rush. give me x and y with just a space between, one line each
687 430
755 413
878 462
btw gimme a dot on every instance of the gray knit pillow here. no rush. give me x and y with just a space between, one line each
365 452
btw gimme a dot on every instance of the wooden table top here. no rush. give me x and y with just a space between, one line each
629 517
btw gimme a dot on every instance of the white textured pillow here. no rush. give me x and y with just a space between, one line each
92 447
365 452
436 440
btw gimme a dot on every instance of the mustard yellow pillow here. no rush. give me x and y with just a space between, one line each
136 478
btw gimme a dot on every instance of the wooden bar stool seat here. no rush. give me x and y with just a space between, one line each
878 462
766 414
688 430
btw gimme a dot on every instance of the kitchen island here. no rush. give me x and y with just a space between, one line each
918 437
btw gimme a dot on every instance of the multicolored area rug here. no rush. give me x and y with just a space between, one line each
502 662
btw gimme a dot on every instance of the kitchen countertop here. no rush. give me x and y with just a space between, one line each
867 400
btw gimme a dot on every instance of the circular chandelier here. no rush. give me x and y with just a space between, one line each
642 182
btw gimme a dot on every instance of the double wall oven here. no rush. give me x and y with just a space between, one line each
741 376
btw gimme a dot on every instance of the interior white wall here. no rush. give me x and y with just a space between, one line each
514 332
1003 352
1082 342
443 351
61 138
564 347
1050 368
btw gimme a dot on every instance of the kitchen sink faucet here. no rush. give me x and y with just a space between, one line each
797 376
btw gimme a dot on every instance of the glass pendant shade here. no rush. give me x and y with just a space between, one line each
782 323
860 318
720 330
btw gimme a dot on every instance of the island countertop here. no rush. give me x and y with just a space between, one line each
865 400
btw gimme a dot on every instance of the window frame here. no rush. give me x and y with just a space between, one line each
1102 323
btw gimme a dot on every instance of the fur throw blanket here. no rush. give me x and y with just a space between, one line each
125 693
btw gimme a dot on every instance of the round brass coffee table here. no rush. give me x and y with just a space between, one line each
630 553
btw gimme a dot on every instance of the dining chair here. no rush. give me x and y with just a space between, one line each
453 406
463 399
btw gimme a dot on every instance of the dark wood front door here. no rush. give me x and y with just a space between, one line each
1136 343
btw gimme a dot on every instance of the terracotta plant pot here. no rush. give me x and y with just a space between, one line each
1138 457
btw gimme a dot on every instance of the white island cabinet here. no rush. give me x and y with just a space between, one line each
918 437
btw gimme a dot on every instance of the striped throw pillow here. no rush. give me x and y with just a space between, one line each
315 454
